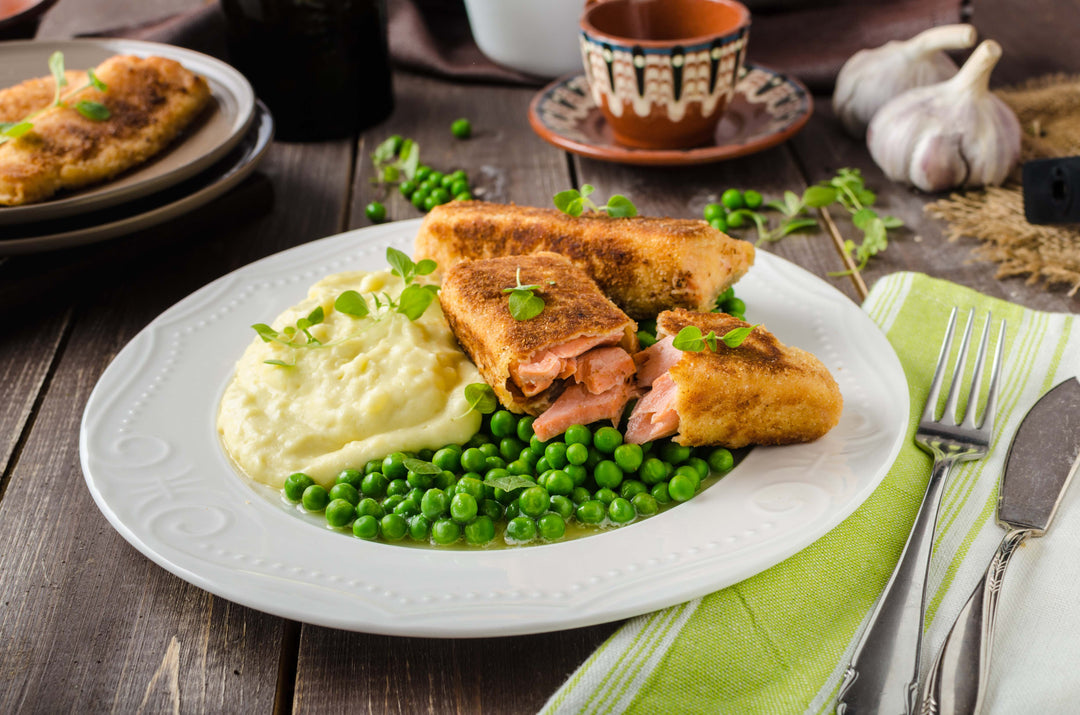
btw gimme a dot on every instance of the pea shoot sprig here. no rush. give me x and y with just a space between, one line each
523 303
575 202
395 158
412 303
690 338
95 111
481 398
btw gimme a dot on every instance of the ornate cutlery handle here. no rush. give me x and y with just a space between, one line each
884 671
957 678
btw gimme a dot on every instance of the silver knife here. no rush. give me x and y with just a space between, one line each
1042 460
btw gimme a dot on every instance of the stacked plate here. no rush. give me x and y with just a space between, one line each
213 155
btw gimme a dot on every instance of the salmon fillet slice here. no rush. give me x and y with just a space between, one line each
656 360
577 406
601 369
150 100
560 362
654 416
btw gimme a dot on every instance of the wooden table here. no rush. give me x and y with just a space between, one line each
89 624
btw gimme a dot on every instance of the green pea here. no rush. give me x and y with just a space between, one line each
735 220
420 480
315 498
374 485
525 429
478 439
681 487
407 508
646 339
445 531
521 529
503 424
591 512
607 474
733 199
448 458
534 441
339 512
472 486
396 141
473 460
392 527
653 471
605 495
369 507
530 456
422 172
631 488
578 434
393 466
645 504
434 503
419 527
555 454
510 448
534 501
577 453
629 457
690 473
435 177
390 503
621 511
753 199
490 449
345 491
459 175
431 201
463 508
352 477
496 473
418 198
560 483
375 212
542 465
713 212
513 509
720 224
461 128
440 197
458 187
659 492
492 509
580 495
720 460
735 305
607 439
551 526
594 458
562 506
578 473
366 527
407 188
445 480
519 466
463 196
397 486
674 453
295 484
480 531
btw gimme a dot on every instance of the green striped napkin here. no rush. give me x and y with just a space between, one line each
779 642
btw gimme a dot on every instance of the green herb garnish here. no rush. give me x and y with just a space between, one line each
691 340
419 466
95 111
481 398
510 482
575 202
394 158
523 303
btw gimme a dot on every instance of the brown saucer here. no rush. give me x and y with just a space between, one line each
768 108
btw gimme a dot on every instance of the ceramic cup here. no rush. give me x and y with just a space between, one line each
537 37
663 71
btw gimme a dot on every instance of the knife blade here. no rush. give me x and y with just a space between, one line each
1043 457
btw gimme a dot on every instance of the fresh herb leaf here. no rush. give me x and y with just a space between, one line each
351 303
817 196
736 336
56 67
92 110
523 304
401 265
574 203
481 398
689 339
891 222
425 267
410 159
95 82
563 199
587 189
265 332
419 466
16 130
384 152
279 363
414 300
862 218
510 482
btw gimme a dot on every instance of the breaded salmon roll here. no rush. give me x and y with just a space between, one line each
569 364
150 101
761 392
644 265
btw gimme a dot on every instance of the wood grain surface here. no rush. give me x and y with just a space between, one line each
88 624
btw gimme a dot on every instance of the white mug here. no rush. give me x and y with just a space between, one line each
538 37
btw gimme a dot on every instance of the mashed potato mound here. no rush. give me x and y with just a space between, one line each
379 384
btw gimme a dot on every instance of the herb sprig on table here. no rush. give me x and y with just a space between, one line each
847 188
95 111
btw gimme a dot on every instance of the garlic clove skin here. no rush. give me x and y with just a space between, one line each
870 78
954 133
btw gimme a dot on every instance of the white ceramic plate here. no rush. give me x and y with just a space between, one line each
153 463
219 127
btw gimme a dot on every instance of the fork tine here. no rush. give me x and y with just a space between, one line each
930 411
990 412
958 371
976 379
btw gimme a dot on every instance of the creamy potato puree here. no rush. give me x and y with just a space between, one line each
398 385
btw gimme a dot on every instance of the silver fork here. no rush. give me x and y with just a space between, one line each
884 671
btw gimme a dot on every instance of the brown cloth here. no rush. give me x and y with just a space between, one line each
809 39
1049 112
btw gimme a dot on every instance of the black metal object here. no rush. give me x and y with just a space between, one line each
1052 190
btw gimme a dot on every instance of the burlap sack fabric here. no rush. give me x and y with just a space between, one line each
1049 112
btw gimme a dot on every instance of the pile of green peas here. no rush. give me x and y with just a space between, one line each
430 188
724 215
587 476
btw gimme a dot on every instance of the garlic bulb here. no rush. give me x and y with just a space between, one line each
955 133
870 78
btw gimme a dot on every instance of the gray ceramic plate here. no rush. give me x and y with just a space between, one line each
149 211
213 134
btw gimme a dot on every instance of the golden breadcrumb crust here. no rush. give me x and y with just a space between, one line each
645 265
151 100
762 392
477 309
